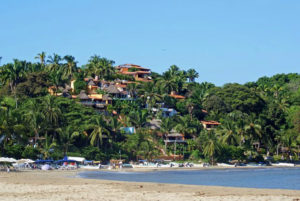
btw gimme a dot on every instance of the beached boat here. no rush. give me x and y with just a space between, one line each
90 167
283 164
225 165
256 164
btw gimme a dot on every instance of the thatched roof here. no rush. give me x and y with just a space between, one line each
91 83
112 89
174 133
154 124
106 97
82 95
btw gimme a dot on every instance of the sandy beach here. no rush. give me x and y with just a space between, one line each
63 185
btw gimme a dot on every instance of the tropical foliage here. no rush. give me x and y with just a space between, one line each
257 119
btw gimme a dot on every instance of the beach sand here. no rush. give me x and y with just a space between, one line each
63 185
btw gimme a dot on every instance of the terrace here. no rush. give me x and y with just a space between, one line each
139 73
209 125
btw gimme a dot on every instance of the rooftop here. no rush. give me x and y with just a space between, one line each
131 66
177 96
210 122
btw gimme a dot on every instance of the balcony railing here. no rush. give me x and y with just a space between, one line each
175 141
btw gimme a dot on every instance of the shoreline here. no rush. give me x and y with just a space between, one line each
150 169
66 185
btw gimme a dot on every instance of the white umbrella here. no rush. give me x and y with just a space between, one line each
12 160
25 161
7 160
29 161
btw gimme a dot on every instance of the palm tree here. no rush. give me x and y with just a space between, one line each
211 146
5 134
149 93
99 129
190 104
173 70
192 74
140 145
55 59
184 126
228 133
33 117
114 126
263 90
101 67
54 63
253 130
289 140
172 80
139 117
56 79
50 110
167 83
166 125
107 66
276 89
67 137
199 94
70 67
41 56
46 149
132 88
12 73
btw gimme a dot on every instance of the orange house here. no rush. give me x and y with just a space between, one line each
208 125
176 96
139 73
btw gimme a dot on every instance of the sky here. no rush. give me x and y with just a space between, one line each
225 41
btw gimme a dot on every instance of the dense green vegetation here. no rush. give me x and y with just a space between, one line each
34 124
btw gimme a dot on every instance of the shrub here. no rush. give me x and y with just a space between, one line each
30 152
195 155
93 153
14 151
79 85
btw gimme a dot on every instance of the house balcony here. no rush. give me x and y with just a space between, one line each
174 141
88 103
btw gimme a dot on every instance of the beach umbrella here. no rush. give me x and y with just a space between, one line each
7 160
43 161
30 161
24 161
66 161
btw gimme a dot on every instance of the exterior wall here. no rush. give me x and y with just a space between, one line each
72 85
124 70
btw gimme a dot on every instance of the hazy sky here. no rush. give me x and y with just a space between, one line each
224 40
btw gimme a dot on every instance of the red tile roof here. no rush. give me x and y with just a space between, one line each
131 66
136 72
210 122
121 85
177 96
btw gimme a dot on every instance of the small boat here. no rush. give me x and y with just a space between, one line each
255 164
283 164
90 167
225 165
126 165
